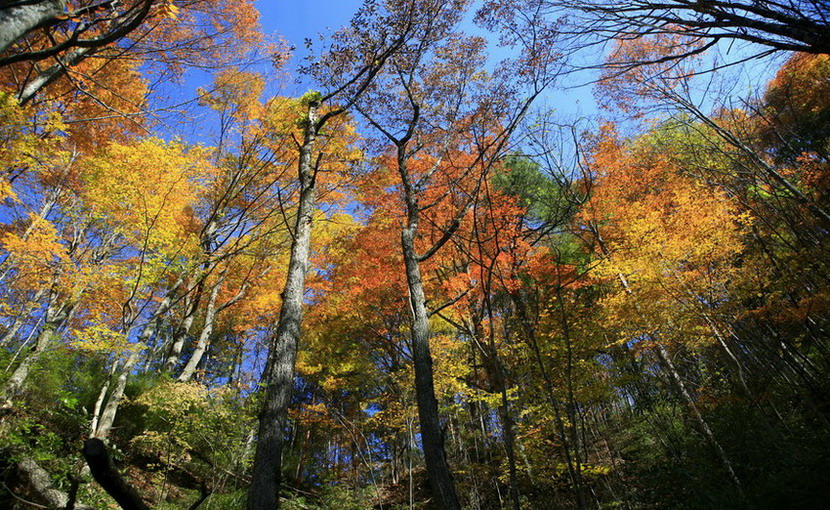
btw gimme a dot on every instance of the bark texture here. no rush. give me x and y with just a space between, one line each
432 435
279 371
19 18
39 487
101 425
204 338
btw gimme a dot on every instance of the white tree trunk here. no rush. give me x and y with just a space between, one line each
19 19
204 337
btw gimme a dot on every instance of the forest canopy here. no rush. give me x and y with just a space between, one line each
393 265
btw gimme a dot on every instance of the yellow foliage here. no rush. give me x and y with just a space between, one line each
148 190
28 142
36 253
180 407
304 368
237 93
101 339
671 237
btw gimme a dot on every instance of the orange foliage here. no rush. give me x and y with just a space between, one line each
672 238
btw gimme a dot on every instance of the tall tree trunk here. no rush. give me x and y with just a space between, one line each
102 425
510 447
504 408
278 378
204 337
107 418
203 342
677 380
703 425
181 333
55 316
432 436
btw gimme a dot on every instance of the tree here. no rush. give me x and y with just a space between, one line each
164 35
800 25
406 288
380 35
446 122
20 18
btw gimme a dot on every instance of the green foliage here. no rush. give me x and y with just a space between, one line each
311 97
538 193
644 331
332 498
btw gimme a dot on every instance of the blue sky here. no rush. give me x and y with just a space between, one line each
296 21
572 99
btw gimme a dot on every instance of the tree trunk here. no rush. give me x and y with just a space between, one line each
181 333
510 448
19 19
39 482
703 425
111 409
204 337
278 377
432 436
55 316
106 474
103 423
52 74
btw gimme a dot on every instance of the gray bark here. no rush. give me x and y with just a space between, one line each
51 74
278 378
204 337
19 18
99 402
211 313
107 418
180 336
432 435
55 316
103 423
39 482
192 302
677 380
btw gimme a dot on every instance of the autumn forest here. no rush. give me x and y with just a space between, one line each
396 265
